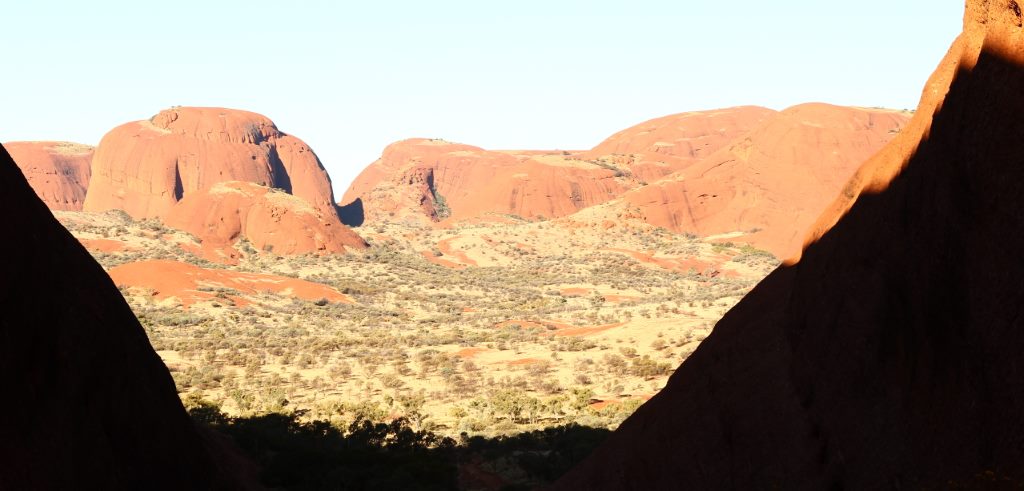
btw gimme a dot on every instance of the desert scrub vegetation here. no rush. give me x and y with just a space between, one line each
549 328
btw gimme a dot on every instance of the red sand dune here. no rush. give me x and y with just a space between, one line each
183 280
57 171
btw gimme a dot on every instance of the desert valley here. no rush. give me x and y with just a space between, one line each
481 292
818 296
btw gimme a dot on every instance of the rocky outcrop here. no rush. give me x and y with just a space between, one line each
90 404
272 220
146 167
767 187
889 355
430 180
208 171
654 149
57 171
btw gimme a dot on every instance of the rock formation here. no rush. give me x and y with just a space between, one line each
57 171
431 180
202 169
656 148
889 355
90 404
768 186
272 220
747 171
145 167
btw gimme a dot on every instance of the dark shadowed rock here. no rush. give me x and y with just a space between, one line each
88 403
889 356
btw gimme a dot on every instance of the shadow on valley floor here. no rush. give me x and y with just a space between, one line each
295 454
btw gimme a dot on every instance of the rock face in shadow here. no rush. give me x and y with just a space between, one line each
89 404
57 171
889 356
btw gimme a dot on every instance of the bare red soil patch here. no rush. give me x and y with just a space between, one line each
611 298
225 254
429 256
183 280
574 292
524 361
681 264
586 330
445 247
599 405
524 324
467 353
104 245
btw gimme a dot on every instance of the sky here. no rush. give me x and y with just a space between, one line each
349 78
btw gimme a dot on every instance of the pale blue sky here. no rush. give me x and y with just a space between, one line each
350 78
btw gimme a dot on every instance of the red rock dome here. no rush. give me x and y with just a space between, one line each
145 167
57 171
768 187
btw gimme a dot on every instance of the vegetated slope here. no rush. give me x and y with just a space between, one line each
57 171
888 355
767 187
90 405
656 148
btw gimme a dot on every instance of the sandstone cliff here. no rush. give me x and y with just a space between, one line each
888 356
57 171
178 165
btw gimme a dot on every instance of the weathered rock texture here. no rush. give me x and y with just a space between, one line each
754 174
889 356
57 171
656 148
431 180
89 403
167 168
768 186
145 167
271 219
